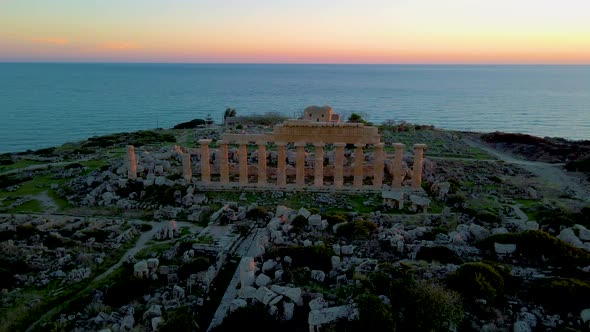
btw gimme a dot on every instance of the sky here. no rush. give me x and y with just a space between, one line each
304 31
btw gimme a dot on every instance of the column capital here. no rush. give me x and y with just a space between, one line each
420 146
319 144
398 145
280 143
359 145
204 141
298 144
261 143
379 145
222 142
338 145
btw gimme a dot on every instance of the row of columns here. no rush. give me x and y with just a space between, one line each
318 167
299 165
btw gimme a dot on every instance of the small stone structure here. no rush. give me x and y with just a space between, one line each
274 164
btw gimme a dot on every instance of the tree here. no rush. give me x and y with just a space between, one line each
229 112
357 118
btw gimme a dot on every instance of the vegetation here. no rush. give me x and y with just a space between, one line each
539 248
478 281
195 123
357 230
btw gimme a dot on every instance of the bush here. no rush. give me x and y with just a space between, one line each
357 230
257 213
299 223
433 308
478 281
195 265
180 320
440 254
190 124
334 218
374 315
562 295
314 257
539 247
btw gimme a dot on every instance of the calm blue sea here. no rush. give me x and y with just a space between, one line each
45 105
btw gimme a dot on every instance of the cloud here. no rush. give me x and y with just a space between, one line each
120 46
51 41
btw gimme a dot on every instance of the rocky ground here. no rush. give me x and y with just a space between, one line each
504 246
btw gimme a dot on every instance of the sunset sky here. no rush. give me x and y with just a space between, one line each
305 31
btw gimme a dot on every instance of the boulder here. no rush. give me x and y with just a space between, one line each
567 235
268 265
521 326
585 315
347 250
478 232
304 213
315 220
318 303
127 323
329 315
318 275
262 280
237 304
156 321
288 310
247 292
291 292
504 249
154 311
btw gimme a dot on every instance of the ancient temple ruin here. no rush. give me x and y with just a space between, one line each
298 154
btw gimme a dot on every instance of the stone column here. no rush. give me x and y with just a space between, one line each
281 163
243 160
205 166
359 159
223 162
417 168
131 163
318 175
398 165
187 167
339 165
300 164
261 163
379 165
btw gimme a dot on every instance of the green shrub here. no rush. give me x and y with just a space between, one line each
357 230
374 315
197 264
190 124
299 223
561 295
440 254
334 218
478 281
180 320
456 199
539 247
257 213
314 257
432 307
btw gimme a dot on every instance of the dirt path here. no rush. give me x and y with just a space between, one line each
552 176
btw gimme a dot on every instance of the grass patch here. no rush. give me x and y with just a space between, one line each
21 163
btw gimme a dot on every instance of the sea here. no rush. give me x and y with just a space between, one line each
48 104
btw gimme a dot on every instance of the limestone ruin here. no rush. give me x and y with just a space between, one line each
322 159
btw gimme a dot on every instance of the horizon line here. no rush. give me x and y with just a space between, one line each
298 63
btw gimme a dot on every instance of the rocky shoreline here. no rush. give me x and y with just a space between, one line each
504 246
